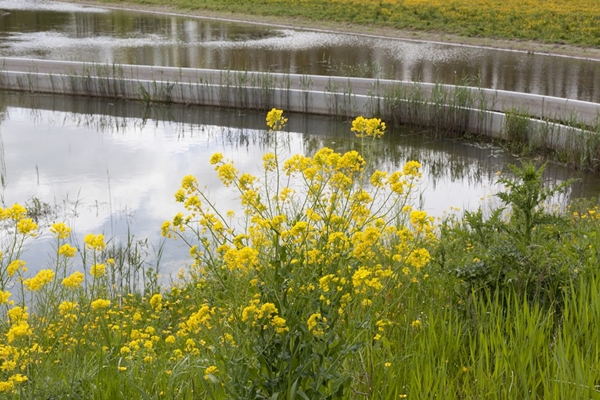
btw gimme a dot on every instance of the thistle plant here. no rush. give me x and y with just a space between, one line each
307 280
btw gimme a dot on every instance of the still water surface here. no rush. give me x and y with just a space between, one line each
110 167
62 31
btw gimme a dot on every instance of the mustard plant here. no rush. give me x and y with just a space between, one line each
307 280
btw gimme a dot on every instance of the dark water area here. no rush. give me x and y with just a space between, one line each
63 31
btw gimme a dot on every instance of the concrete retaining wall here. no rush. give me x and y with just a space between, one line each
443 108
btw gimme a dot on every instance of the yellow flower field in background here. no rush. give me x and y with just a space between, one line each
564 21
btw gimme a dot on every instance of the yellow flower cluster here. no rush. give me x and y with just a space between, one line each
265 316
368 127
66 250
60 230
210 371
100 304
316 324
42 278
15 266
275 120
73 280
67 307
200 318
17 212
156 301
19 325
26 226
98 270
12 382
94 242
4 295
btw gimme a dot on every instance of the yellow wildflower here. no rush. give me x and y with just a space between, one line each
216 158
66 250
42 278
17 314
419 258
201 317
368 127
279 324
94 242
314 323
269 161
276 120
16 212
14 266
170 339
227 173
67 307
27 227
100 304
60 230
6 386
74 280
210 371
189 182
412 168
19 329
4 295
266 310
156 302
98 270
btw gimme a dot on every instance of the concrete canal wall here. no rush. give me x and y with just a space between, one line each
446 109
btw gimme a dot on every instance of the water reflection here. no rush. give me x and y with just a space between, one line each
114 166
62 32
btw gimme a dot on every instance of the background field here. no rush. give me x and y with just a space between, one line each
565 22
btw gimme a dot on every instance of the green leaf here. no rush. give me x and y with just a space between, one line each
302 394
140 391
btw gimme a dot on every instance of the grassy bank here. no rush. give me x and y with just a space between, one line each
559 22
327 283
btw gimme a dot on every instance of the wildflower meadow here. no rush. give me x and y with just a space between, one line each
557 21
327 282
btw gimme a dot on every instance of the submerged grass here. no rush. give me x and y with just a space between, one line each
330 284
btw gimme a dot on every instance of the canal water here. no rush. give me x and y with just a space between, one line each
62 31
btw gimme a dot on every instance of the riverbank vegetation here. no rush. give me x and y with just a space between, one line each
326 282
560 21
